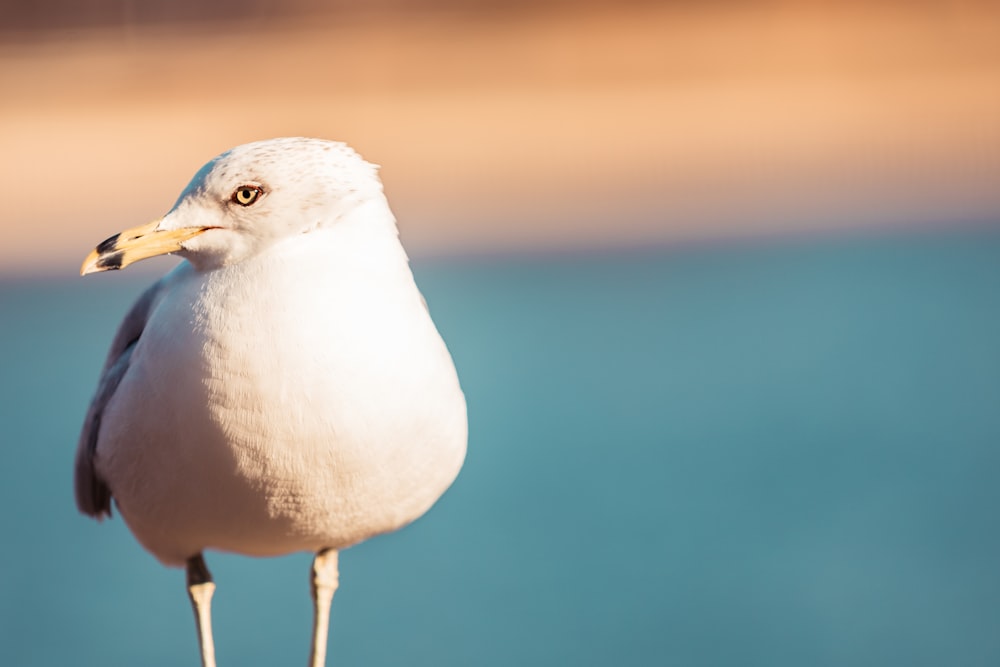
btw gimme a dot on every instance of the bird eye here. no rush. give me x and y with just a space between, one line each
246 195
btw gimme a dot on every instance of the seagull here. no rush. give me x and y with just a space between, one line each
282 390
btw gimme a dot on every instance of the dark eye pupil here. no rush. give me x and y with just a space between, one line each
246 196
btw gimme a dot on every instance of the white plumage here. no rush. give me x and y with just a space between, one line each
283 390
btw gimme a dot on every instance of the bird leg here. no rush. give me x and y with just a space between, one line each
324 583
200 589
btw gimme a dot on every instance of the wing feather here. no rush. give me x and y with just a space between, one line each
93 496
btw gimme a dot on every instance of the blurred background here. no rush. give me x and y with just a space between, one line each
721 279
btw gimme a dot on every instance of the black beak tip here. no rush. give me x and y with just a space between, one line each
107 245
111 261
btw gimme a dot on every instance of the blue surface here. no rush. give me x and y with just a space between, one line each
767 454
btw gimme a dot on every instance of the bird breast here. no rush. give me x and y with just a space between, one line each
300 415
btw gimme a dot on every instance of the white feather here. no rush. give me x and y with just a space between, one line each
289 391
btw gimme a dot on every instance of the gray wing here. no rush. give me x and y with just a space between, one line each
93 496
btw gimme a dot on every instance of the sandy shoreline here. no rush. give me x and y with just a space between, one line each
538 131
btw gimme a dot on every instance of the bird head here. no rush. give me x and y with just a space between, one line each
246 200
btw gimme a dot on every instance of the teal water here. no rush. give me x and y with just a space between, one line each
768 454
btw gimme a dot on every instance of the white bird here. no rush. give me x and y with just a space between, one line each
282 390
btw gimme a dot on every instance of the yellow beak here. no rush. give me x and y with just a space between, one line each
134 244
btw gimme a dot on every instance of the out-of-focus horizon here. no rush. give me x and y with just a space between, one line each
763 453
511 126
